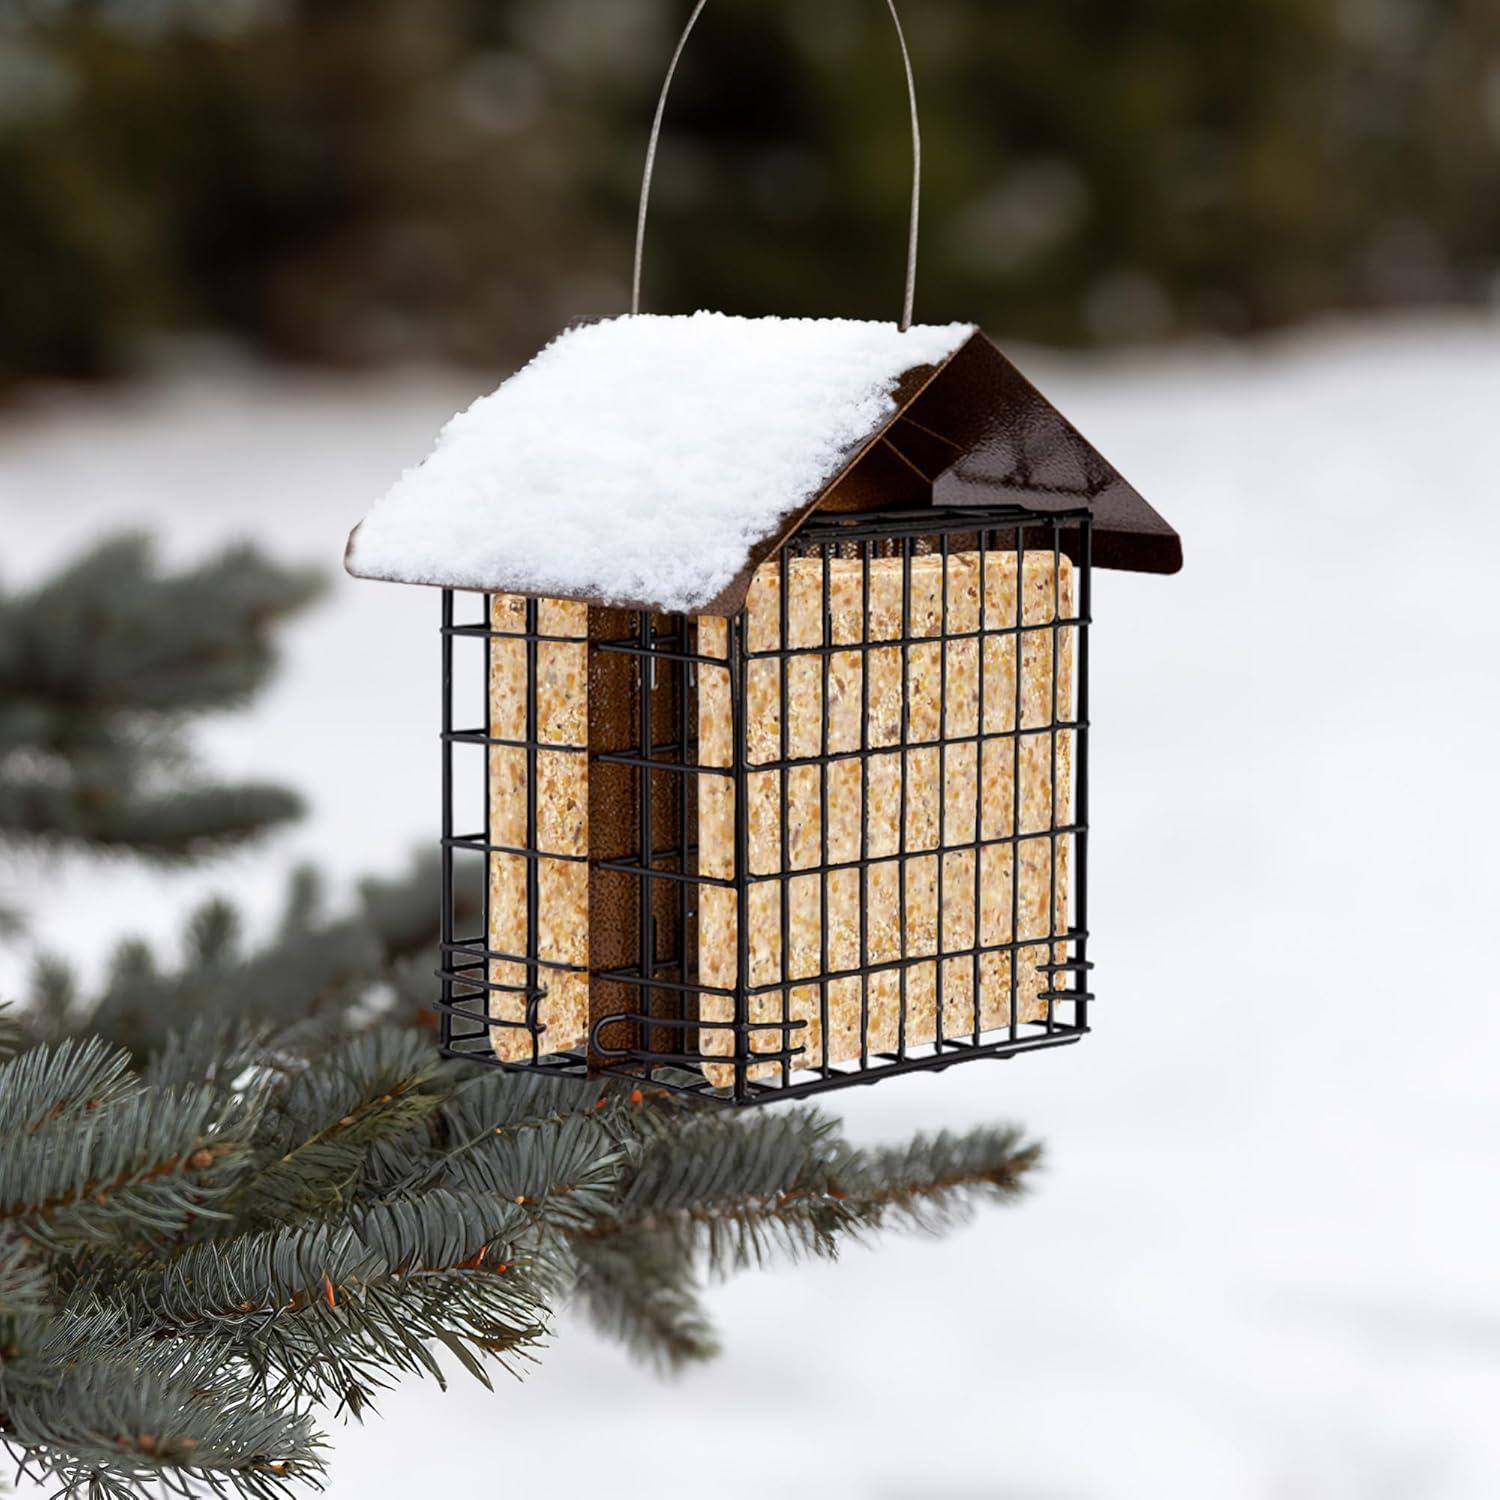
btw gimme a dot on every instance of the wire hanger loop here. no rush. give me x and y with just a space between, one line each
909 300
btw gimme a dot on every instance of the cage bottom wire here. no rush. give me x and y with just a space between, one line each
710 749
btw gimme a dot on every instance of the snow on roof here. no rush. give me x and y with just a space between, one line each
641 459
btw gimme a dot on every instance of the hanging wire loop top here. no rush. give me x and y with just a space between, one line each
909 300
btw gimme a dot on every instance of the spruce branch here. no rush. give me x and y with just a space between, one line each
14 1035
438 1231
935 1182
109 1428
147 1165
216 1051
633 1286
564 1171
737 1191
332 1112
99 668
74 1077
332 1312
356 967
104 804
490 1103
25 1282
114 632
256 1276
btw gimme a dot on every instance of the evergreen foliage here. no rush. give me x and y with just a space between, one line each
189 1270
374 961
99 667
242 1189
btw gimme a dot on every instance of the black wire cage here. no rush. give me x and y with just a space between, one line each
838 835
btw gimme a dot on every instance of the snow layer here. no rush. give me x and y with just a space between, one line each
641 459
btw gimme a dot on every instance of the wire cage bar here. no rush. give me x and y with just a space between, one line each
840 836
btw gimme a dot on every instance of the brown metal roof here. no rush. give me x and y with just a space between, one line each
974 431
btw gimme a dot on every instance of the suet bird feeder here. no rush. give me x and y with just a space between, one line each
820 821
765 736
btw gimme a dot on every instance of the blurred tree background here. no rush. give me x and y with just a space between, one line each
366 180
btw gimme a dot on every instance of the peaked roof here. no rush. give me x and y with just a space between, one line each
657 462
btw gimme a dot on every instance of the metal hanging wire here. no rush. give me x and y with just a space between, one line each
909 300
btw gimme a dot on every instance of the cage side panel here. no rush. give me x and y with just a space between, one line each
776 910
559 838
885 711
1018 793
898 807
666 729
718 905
509 771
841 787
1060 777
959 712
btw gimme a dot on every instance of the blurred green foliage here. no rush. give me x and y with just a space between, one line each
362 180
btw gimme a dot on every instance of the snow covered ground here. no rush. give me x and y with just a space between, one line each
1262 1263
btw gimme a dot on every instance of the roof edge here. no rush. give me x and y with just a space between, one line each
1013 442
